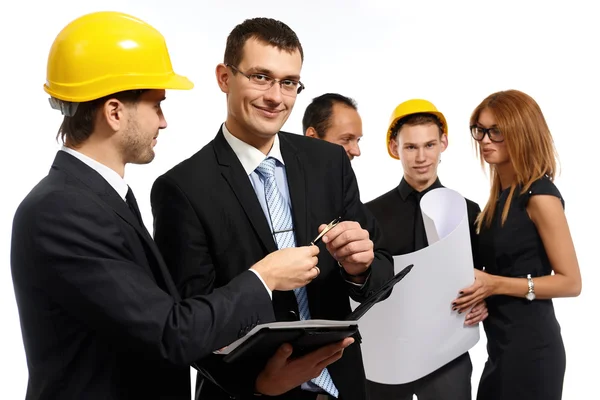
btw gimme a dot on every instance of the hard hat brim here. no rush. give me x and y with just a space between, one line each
96 90
178 82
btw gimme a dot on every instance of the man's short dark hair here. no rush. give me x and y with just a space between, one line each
417 119
266 30
77 129
318 113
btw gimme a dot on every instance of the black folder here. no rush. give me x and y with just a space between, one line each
305 336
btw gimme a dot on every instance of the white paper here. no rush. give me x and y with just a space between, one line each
308 323
414 331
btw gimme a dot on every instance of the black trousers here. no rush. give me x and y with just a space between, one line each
450 382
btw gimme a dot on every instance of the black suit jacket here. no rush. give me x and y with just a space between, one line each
100 315
210 227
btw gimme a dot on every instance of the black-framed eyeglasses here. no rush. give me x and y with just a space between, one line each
479 133
289 87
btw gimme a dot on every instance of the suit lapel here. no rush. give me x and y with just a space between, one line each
297 186
94 181
233 172
119 206
122 209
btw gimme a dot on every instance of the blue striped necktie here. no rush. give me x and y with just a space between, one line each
283 233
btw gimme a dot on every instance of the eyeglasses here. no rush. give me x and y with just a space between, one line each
479 133
289 87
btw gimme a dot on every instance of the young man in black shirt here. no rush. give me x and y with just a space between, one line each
417 136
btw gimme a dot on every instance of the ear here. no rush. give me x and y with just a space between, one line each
223 74
311 132
113 113
444 140
393 146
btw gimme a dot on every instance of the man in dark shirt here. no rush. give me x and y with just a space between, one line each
417 136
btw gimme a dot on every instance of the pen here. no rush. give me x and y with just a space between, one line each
327 229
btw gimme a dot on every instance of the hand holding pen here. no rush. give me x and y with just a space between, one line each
349 244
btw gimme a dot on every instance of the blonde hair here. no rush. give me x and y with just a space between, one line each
528 141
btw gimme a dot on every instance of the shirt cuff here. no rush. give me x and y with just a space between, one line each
359 285
263 282
346 276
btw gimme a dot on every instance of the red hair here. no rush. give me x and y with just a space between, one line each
528 141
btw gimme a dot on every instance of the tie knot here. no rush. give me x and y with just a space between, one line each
267 167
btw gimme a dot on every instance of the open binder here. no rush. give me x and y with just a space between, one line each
305 336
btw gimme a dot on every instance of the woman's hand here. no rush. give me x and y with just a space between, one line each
482 288
477 314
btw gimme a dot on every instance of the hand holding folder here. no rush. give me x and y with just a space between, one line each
284 371
305 336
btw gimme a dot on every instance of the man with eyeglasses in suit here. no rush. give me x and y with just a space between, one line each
255 189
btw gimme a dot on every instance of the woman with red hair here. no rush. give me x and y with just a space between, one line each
526 248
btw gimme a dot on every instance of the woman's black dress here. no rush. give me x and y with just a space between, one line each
526 356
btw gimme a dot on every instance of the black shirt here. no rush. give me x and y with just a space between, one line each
398 215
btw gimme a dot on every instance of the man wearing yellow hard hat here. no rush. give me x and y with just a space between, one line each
417 135
101 317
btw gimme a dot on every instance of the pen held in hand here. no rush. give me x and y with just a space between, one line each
329 226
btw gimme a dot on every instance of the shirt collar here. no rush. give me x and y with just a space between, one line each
406 190
110 175
250 156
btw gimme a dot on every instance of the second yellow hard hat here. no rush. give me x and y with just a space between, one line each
413 106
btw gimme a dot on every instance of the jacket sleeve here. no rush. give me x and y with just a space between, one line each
73 247
185 245
382 268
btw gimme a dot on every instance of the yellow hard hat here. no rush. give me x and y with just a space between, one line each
409 107
107 52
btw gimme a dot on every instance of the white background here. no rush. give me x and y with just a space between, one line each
453 53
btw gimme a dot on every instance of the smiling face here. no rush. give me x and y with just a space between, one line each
255 114
419 148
